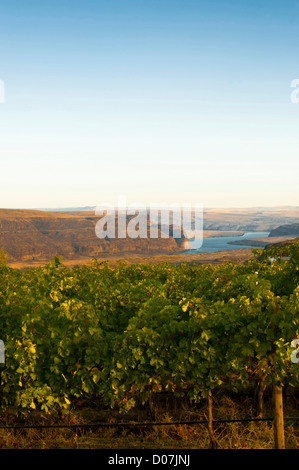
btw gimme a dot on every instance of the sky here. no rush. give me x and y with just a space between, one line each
175 101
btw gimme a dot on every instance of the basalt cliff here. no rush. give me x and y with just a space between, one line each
33 235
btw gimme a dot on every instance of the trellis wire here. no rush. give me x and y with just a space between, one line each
145 424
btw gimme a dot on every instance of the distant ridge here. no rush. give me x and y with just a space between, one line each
285 230
68 209
249 209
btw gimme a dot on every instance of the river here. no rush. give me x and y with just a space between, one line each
213 244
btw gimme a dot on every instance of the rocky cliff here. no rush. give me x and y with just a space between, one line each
285 231
37 235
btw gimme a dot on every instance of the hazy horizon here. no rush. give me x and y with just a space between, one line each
93 207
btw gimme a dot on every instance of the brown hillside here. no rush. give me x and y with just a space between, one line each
27 235
255 219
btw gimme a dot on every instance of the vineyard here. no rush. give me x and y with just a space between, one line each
125 333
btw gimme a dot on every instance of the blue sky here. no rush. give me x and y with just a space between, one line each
161 101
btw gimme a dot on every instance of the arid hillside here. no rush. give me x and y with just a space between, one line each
27 235
255 219
285 230
33 237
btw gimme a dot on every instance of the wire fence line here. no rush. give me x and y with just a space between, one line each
137 425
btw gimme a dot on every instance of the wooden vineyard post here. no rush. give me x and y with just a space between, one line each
259 397
278 417
210 421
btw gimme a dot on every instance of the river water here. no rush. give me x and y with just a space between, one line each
211 245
